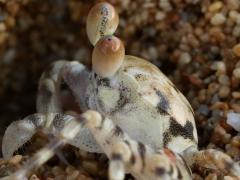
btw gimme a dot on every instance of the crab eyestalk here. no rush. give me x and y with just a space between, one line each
102 20
107 56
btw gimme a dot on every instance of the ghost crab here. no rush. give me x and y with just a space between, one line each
134 114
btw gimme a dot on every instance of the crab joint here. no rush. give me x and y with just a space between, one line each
102 20
108 55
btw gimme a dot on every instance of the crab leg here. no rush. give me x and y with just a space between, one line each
48 103
211 158
48 100
68 132
125 153
144 163
122 151
73 73
66 129
19 132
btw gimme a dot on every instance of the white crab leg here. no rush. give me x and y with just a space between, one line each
77 78
122 151
125 153
68 132
73 73
48 102
48 99
137 158
65 128
19 132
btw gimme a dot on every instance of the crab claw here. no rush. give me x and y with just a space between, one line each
19 132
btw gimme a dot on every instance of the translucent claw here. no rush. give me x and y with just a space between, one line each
20 132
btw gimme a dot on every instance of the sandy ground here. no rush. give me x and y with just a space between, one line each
195 43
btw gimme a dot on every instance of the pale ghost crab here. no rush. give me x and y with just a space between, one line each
134 114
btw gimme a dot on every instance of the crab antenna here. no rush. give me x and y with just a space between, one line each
107 56
102 20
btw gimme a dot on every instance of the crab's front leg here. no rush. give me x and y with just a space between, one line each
65 129
19 132
76 77
48 102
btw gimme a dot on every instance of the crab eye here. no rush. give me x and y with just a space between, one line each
102 20
108 55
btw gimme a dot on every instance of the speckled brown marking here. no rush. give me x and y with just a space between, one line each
103 81
140 77
161 111
58 121
142 151
117 131
177 129
35 119
122 101
166 138
104 21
